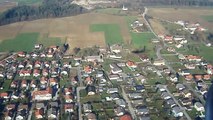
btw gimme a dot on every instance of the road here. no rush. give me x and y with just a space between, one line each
183 109
159 48
131 109
79 102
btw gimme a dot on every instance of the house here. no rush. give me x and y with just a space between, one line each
160 87
8 115
126 117
21 65
141 78
186 101
91 116
15 95
198 77
186 93
144 118
193 58
49 55
121 102
170 102
87 108
184 72
181 57
121 64
42 94
177 112
52 113
159 62
33 84
29 65
22 112
37 64
168 38
53 81
34 55
99 74
46 64
112 90
199 107
135 95
88 69
98 58
165 95
67 65
137 102
67 91
45 72
170 49
115 56
21 54
88 80
90 90
36 73
14 84
40 105
43 80
116 70
178 45
68 98
190 66
4 95
114 76
115 96
39 113
180 86
178 38
144 58
139 88
142 110
188 77
42 55
131 64
116 48
119 111
23 83
68 107
173 78
206 77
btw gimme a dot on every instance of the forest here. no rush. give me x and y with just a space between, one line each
48 9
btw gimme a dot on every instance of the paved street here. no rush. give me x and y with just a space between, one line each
183 110
131 109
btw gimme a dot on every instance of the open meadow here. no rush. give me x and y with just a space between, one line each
201 15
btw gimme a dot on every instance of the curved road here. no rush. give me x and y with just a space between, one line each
160 57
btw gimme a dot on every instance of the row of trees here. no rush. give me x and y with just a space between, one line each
49 9
176 2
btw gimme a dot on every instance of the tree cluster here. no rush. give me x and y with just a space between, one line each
48 9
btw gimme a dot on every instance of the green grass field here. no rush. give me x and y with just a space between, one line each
24 2
113 11
112 32
208 18
48 41
22 42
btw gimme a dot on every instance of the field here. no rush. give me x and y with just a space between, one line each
22 42
187 14
75 30
111 32
208 18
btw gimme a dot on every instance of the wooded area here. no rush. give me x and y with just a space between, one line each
49 9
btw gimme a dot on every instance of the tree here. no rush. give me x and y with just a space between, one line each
76 50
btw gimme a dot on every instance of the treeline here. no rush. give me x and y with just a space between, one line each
49 9
176 2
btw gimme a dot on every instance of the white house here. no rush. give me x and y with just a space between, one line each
199 107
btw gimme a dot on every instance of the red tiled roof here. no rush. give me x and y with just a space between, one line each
125 117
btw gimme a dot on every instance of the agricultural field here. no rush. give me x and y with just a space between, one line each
187 14
75 30
21 2
111 32
22 42
208 18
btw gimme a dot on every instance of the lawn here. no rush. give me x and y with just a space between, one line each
112 32
22 42
49 41
113 11
6 85
208 18
143 40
